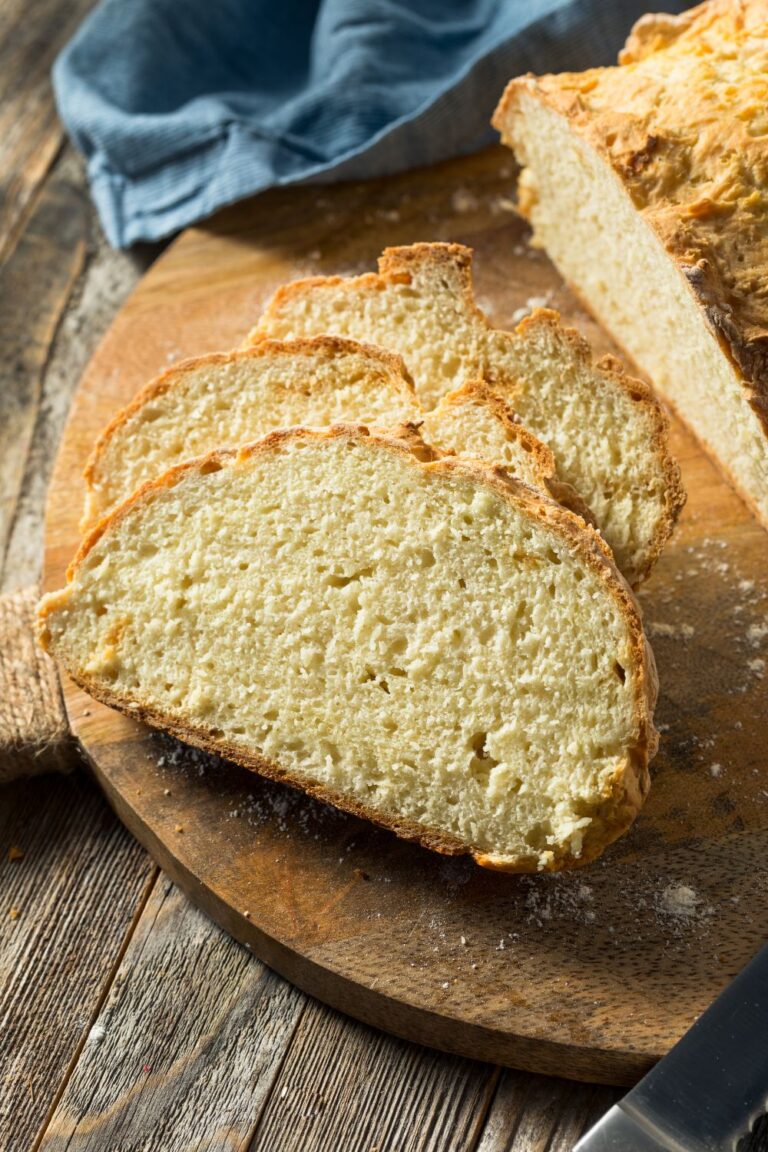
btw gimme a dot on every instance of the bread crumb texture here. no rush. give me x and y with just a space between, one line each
222 400
666 155
607 434
422 641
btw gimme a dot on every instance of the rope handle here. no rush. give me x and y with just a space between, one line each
34 732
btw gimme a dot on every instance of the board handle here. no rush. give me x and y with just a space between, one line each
34 732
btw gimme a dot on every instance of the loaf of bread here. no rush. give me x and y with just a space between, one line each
220 401
607 433
647 184
420 640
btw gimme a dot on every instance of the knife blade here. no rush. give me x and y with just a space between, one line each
706 1093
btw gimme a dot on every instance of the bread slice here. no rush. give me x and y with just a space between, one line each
475 421
646 183
230 399
233 398
419 640
608 435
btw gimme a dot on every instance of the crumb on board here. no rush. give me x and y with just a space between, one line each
15 853
679 901
670 631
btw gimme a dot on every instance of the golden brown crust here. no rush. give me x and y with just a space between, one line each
629 786
682 123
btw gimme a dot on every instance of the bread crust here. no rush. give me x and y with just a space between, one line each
175 378
684 133
453 263
624 793
477 392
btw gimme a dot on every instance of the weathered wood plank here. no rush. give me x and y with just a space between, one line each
188 1043
344 1085
58 294
35 285
31 36
540 1114
66 905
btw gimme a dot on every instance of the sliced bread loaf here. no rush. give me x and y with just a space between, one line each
608 435
225 400
416 639
647 184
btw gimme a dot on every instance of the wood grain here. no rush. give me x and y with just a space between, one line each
186 1047
62 287
592 975
31 35
538 1114
35 285
343 1085
71 881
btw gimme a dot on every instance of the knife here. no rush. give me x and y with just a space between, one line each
709 1089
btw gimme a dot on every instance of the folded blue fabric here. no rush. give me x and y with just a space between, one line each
182 106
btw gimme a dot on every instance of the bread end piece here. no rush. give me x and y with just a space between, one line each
646 183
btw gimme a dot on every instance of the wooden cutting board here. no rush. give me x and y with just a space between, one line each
590 975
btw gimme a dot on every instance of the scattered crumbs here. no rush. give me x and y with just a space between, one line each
446 984
715 769
179 828
757 666
463 200
503 204
672 631
15 853
474 966
284 1092
247 914
559 899
14 912
746 586
463 940
679 901
97 1033
166 791
501 946
757 632
361 874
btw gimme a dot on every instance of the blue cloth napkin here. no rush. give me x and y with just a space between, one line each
182 106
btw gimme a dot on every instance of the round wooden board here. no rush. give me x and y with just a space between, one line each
592 974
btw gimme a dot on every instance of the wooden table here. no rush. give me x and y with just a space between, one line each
127 1019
